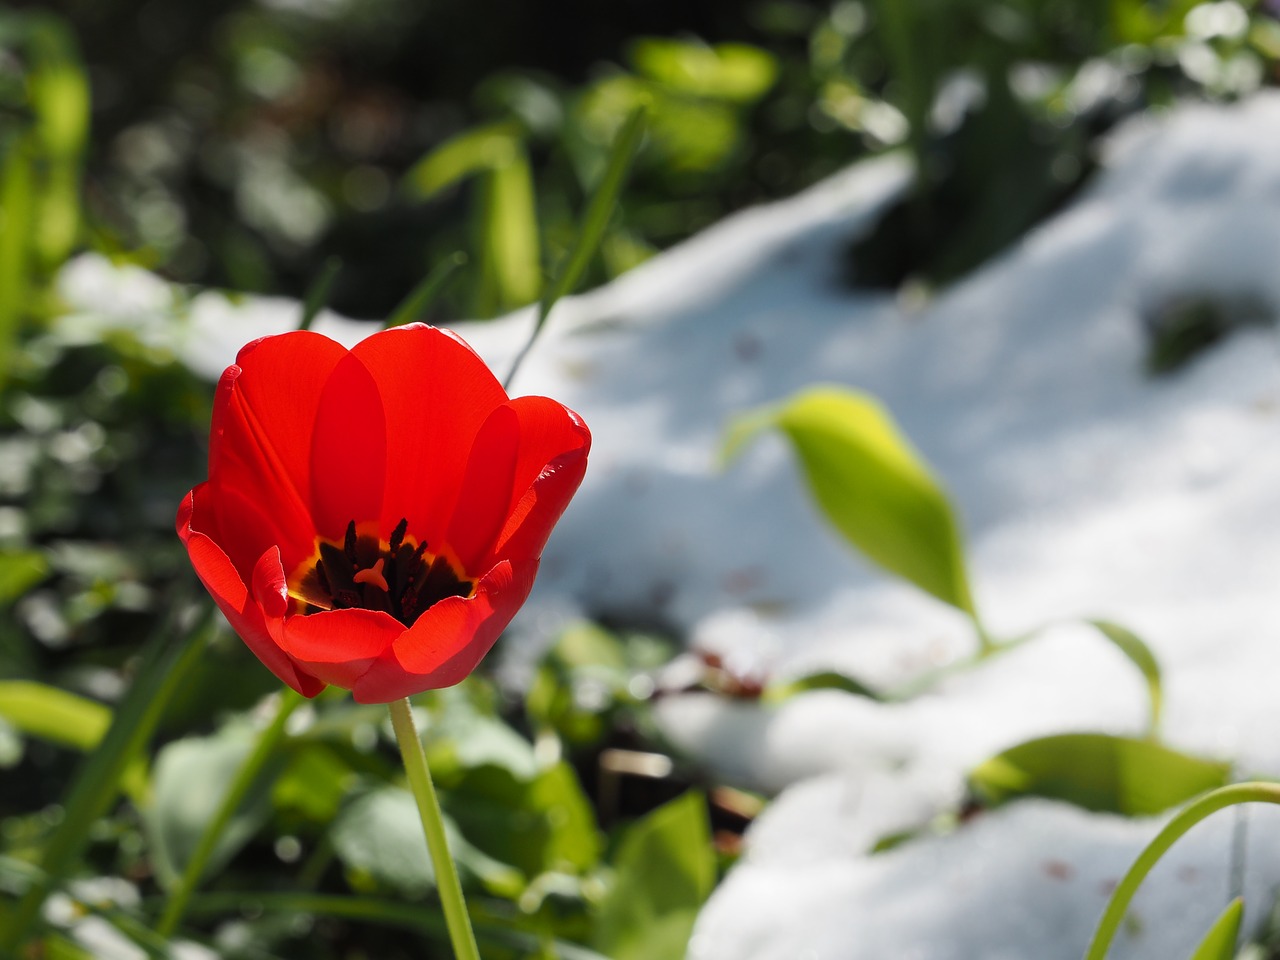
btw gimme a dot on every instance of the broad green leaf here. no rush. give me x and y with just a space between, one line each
538 826
727 71
665 871
471 152
191 777
1220 942
19 571
1132 646
52 714
379 840
1098 772
871 484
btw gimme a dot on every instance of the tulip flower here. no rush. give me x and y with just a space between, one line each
374 517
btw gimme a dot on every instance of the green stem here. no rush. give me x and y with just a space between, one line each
267 742
1208 804
447 884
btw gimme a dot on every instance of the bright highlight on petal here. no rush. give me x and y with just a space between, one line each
374 518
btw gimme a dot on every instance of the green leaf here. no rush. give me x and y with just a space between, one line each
871 484
727 71
1098 772
1132 646
20 570
1220 942
510 261
823 680
665 871
471 152
314 783
379 840
191 776
52 714
540 825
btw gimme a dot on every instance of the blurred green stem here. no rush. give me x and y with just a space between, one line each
1208 804
424 791
266 744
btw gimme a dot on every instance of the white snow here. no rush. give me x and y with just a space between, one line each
1088 488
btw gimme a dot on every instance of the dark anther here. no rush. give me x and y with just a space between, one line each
397 536
349 547
405 580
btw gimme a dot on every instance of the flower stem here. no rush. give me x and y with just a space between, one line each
268 740
447 884
1208 804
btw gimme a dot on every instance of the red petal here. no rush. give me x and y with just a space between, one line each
339 646
447 642
527 462
220 578
436 393
260 449
348 451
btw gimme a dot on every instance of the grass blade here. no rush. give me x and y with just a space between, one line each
592 230
318 294
416 304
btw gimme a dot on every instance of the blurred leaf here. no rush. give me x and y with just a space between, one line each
52 714
379 840
873 487
471 152
510 266
539 825
1098 772
823 680
665 871
191 776
727 71
17 226
167 660
1132 646
20 570
462 737
1220 942
313 784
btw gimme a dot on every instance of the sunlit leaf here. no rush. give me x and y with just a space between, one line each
665 871
873 487
509 246
1220 942
20 570
727 71
1098 772
313 784
1132 646
52 714
468 153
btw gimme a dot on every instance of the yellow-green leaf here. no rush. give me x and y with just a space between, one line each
871 484
1220 942
470 152
52 714
1098 772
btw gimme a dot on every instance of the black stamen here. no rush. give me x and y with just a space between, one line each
349 547
397 536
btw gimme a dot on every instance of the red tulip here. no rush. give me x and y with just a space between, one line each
374 518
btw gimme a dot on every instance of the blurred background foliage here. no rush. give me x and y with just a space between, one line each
245 145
